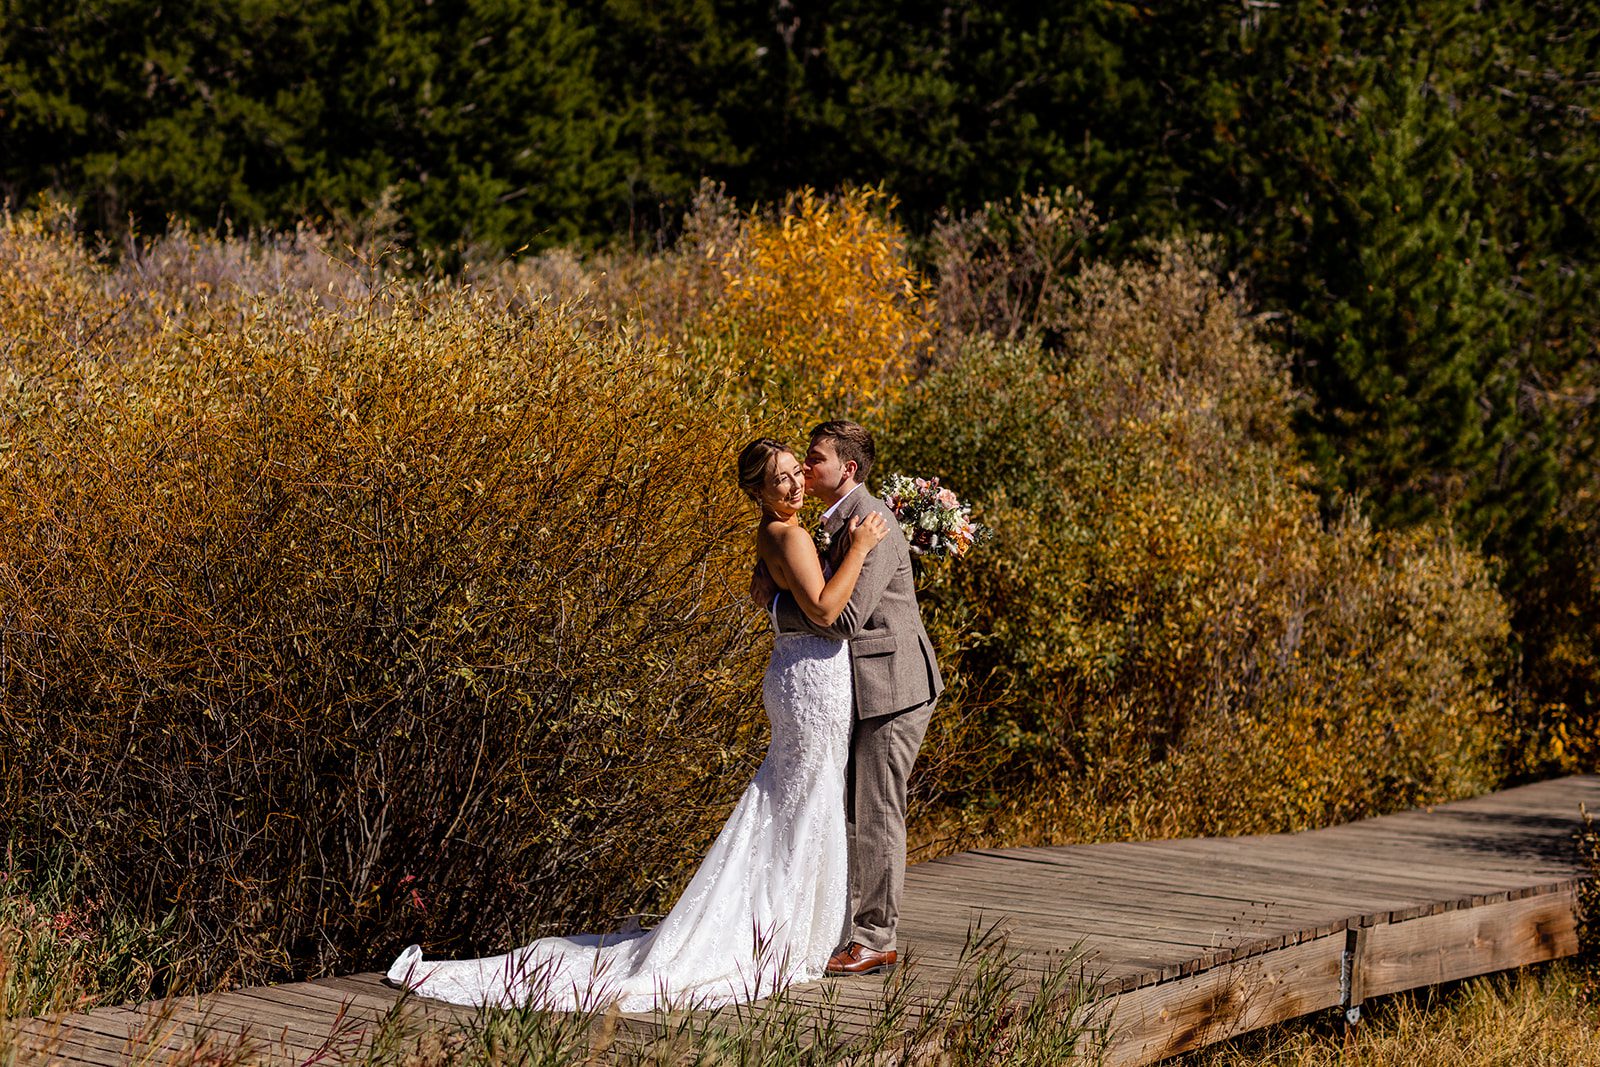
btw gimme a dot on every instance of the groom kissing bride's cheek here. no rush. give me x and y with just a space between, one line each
805 877
894 684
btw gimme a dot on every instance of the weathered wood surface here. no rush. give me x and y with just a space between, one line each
1187 942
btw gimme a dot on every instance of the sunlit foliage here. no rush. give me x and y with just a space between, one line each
342 610
1165 637
820 304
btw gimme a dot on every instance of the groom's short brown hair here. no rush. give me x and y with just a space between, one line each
851 441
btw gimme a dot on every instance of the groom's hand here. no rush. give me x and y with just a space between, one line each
762 587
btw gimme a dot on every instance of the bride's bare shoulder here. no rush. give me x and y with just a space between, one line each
775 533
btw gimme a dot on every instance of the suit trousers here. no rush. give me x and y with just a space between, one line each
882 751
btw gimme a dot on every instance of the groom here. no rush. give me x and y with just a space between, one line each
896 681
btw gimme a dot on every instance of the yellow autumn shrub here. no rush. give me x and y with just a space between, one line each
807 311
819 305
1165 636
340 608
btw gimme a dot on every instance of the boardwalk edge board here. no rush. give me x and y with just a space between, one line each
1166 1019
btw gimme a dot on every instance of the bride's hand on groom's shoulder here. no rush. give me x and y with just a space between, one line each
867 533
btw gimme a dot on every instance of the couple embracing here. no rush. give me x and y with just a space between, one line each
805 877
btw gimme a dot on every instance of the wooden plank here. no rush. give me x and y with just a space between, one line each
1464 943
1122 952
1222 922
320 1032
1449 834
340 1009
1384 854
1355 947
1147 924
368 983
263 1042
1088 896
1372 893
1277 866
128 1030
172 1026
120 1041
1328 907
1346 897
1489 861
1164 1020
45 1041
72 1054
329 998
265 1007
1178 879
1461 832
1407 865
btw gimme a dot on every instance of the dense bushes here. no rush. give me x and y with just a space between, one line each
330 630
1165 638
339 612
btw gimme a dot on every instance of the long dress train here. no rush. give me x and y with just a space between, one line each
766 908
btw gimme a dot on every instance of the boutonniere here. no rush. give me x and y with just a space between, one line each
823 540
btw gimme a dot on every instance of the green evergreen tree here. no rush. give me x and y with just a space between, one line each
1403 327
681 78
946 106
484 116
204 109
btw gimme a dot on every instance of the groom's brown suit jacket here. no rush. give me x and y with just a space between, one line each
890 655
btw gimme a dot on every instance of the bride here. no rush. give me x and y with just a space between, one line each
768 905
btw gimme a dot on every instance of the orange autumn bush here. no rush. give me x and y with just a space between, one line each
329 630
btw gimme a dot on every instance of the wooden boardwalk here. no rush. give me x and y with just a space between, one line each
1187 942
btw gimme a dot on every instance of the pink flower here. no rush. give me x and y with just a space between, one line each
947 499
407 883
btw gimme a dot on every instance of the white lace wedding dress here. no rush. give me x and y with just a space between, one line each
765 909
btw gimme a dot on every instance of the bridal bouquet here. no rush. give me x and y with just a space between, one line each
934 520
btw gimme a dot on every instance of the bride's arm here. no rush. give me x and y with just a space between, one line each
792 559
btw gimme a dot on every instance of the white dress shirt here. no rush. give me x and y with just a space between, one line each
826 515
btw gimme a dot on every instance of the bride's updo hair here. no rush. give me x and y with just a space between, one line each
754 463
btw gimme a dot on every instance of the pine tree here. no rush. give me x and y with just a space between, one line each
203 110
1403 332
682 78
484 116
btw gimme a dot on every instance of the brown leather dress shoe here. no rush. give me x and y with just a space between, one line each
856 958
